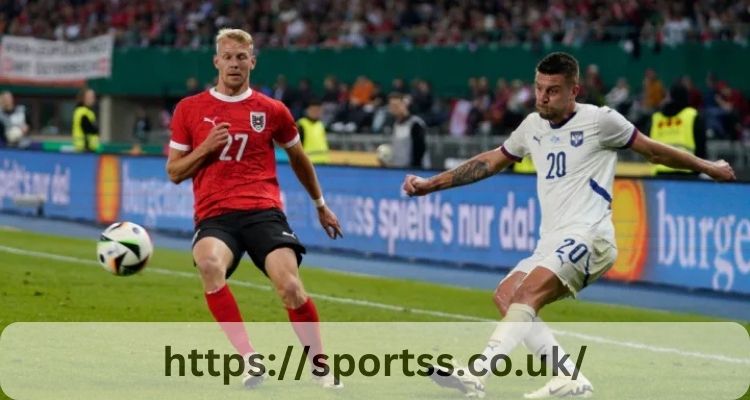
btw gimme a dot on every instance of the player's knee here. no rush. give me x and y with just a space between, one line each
210 266
501 300
291 292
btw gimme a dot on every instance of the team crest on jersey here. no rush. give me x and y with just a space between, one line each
576 138
258 120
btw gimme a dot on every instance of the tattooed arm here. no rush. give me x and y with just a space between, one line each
477 168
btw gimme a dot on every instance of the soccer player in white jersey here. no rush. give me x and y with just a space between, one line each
574 148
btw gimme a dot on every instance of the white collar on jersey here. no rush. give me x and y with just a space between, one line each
231 99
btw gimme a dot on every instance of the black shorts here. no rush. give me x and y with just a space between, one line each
256 232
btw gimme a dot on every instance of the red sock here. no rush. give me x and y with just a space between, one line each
224 308
306 325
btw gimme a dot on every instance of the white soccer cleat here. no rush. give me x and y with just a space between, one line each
460 379
251 381
563 386
327 382
253 377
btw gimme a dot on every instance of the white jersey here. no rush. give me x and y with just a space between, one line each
575 163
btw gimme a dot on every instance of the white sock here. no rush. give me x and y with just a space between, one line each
508 334
540 341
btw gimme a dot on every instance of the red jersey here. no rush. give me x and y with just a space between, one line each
241 175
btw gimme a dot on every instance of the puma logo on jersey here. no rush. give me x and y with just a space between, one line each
537 140
210 121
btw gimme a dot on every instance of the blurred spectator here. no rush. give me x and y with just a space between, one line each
499 107
313 134
714 113
592 90
408 141
330 90
653 91
619 97
377 108
329 100
677 26
476 116
85 131
13 126
695 99
519 103
141 131
678 124
731 105
482 94
422 100
343 117
362 91
281 92
298 100
459 118
141 127
398 86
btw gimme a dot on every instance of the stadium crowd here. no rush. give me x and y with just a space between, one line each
491 105
344 23
497 107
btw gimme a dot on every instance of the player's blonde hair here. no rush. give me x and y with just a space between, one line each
237 35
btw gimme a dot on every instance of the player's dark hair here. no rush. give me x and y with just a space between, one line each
559 63
314 102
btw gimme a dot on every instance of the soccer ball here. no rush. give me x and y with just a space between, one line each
124 248
14 134
384 153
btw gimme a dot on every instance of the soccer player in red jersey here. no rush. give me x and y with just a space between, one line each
223 139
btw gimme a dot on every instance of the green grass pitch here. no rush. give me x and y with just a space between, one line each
65 288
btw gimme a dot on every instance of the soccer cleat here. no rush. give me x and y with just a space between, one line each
327 382
255 374
251 381
460 379
563 386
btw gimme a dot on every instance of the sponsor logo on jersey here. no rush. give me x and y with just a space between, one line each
258 120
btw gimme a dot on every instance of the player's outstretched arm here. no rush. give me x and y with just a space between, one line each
183 165
660 153
305 172
477 168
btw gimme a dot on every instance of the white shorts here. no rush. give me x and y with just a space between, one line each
576 260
